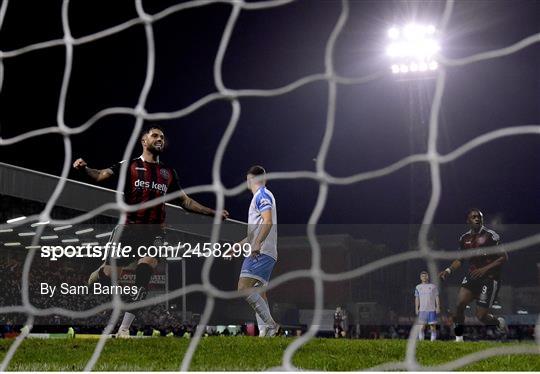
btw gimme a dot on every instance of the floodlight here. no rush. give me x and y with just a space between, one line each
412 49
393 33
49 237
60 228
15 219
27 234
85 231
12 244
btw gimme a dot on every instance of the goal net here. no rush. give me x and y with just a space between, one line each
57 203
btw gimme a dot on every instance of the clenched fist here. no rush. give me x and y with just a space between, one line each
79 164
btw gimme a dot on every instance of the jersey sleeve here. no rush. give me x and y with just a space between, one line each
435 291
175 183
264 202
416 292
116 167
493 239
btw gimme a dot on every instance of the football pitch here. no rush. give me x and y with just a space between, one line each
249 353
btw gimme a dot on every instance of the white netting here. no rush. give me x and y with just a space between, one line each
333 80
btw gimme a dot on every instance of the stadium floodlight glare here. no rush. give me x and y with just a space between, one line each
393 33
104 234
16 219
412 49
33 247
496 306
75 240
91 244
6 230
12 244
60 228
40 223
49 237
27 233
85 231
522 312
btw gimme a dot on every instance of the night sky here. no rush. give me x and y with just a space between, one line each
377 123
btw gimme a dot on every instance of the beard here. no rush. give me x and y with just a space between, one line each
155 150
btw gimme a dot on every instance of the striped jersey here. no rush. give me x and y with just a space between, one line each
263 200
146 181
483 238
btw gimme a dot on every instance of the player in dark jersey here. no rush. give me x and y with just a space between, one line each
482 281
147 178
339 324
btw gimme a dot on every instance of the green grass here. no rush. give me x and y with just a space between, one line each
246 353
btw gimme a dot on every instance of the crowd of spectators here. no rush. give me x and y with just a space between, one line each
73 273
158 317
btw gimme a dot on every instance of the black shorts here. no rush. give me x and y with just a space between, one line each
135 236
485 290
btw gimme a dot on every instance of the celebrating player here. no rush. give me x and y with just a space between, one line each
427 306
483 279
262 235
147 179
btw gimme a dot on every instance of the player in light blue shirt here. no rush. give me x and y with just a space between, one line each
426 302
262 235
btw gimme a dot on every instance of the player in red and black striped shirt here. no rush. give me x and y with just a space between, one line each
482 281
147 179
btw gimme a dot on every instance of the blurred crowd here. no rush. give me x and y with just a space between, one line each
169 321
72 273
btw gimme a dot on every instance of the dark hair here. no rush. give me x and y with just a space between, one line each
424 272
256 170
149 128
474 210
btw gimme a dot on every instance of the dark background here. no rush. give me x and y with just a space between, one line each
377 123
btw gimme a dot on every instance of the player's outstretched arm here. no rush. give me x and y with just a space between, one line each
416 304
191 205
95 174
456 264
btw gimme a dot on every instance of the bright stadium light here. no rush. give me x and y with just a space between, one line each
103 235
15 219
12 244
40 223
60 228
393 33
412 49
6 230
70 240
523 312
85 231
27 234
33 247
91 244
49 237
